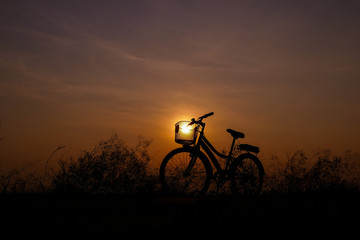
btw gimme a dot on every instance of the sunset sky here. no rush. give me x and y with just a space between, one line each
286 73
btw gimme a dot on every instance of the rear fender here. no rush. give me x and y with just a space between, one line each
252 156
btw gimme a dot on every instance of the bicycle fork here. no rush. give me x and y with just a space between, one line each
191 165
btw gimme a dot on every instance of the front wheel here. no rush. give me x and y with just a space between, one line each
177 178
247 175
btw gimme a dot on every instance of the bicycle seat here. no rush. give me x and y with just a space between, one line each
235 134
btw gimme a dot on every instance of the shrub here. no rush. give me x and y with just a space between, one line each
15 181
111 167
318 172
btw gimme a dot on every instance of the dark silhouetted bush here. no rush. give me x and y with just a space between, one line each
318 172
15 181
111 167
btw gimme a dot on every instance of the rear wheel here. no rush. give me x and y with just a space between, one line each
247 175
176 180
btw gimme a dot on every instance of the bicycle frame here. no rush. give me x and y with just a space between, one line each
210 150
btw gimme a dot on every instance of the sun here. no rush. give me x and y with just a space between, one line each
187 128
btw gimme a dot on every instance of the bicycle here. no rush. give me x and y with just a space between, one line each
187 170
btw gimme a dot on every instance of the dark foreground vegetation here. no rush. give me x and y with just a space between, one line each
284 216
113 189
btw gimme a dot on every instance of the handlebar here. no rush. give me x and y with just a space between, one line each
207 115
199 120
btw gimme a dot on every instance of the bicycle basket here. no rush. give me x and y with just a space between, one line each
185 134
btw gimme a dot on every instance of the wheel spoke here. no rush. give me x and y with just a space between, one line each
174 178
247 178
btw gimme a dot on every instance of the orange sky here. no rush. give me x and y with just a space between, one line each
284 73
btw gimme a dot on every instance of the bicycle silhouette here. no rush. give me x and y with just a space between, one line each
188 171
